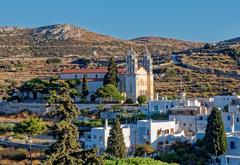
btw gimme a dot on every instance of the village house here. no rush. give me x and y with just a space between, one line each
153 132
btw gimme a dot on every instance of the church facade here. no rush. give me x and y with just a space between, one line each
134 80
139 79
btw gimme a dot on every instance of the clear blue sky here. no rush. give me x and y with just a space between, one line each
198 20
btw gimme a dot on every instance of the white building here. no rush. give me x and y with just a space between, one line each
224 100
230 118
232 155
150 132
163 106
191 119
99 135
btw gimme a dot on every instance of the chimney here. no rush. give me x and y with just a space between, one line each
106 124
232 123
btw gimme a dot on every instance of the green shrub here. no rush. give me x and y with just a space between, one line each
142 99
91 123
53 61
135 161
6 127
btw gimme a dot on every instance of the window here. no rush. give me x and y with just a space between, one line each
184 124
96 76
232 145
159 132
94 137
228 118
166 131
160 143
200 118
75 76
155 108
148 132
237 119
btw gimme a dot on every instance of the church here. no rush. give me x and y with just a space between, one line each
139 79
134 80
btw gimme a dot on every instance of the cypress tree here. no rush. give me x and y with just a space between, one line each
215 137
66 149
116 145
85 91
111 76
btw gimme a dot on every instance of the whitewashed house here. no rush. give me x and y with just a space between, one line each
161 106
224 100
191 119
232 155
150 132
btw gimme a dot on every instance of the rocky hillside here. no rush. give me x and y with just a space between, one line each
64 40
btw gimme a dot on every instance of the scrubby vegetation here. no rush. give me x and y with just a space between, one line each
6 127
13 154
136 161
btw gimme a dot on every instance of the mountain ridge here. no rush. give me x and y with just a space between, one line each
65 39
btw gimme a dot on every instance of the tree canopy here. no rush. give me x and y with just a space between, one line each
111 76
116 145
30 127
109 92
143 149
66 150
84 88
215 137
142 99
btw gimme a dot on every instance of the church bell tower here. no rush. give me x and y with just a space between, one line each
131 62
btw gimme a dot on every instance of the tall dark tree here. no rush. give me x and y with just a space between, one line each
116 145
66 150
215 137
111 76
85 91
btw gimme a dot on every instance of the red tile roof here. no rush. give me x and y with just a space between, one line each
91 70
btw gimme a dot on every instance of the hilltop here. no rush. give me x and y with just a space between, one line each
64 40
